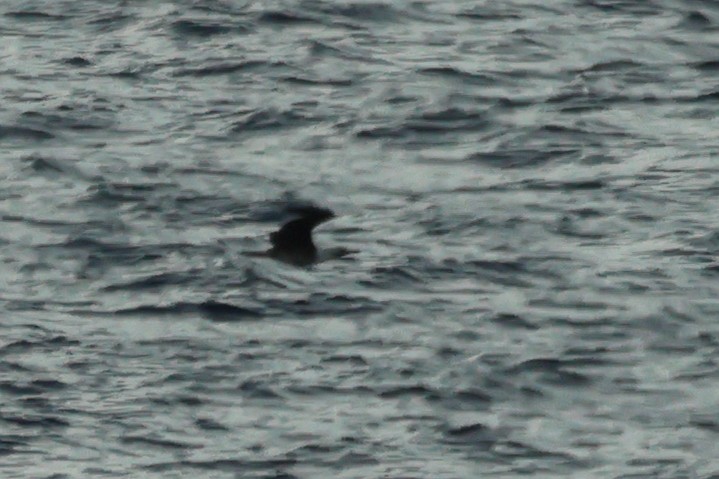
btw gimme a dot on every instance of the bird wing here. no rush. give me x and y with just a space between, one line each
298 232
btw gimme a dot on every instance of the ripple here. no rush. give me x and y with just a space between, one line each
45 422
213 310
210 425
447 121
201 28
9 444
25 345
156 281
696 19
24 133
286 18
454 74
412 390
476 434
78 61
269 120
144 441
221 68
523 158
30 15
226 465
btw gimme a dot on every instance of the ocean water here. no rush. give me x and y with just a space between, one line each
531 185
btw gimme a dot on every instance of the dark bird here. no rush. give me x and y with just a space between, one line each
293 242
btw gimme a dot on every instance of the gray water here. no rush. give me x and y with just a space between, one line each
531 185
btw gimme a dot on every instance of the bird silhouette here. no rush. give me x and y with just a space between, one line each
293 243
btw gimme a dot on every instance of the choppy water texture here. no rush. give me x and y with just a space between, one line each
532 186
